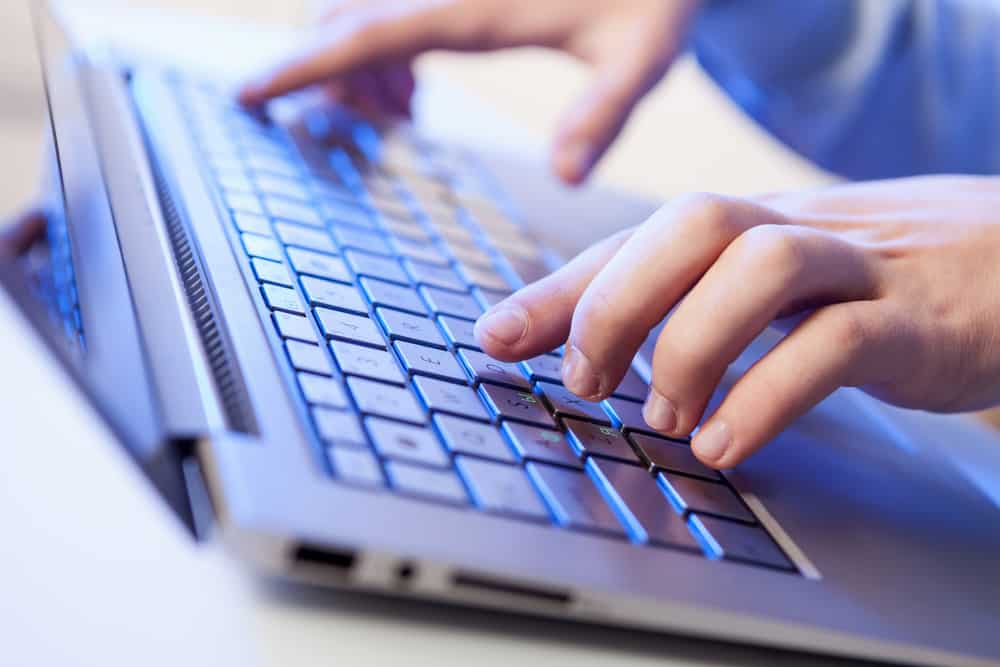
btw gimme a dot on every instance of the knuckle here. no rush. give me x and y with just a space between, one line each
708 214
773 250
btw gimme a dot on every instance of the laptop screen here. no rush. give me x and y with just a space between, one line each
60 260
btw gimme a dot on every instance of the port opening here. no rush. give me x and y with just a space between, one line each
341 560
513 589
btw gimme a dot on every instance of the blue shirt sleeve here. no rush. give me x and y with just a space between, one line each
864 88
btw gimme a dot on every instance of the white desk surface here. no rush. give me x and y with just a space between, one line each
95 571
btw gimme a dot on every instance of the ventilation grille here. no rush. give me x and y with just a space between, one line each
228 381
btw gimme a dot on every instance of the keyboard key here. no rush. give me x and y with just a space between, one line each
424 252
234 179
471 260
376 266
282 298
262 246
695 495
486 278
247 203
517 405
338 211
540 444
286 209
441 396
671 455
322 391
483 368
354 328
627 415
356 466
255 224
423 360
304 237
588 438
632 386
381 293
427 482
435 276
489 298
294 326
574 499
408 230
333 295
640 505
272 165
271 272
366 362
546 367
414 328
731 540
497 487
458 332
375 398
349 237
307 357
567 404
462 436
449 303
338 427
283 187
406 443
319 265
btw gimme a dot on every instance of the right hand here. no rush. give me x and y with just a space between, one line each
370 44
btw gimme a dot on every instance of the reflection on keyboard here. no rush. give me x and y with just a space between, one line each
374 253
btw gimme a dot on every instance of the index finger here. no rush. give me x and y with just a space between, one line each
354 42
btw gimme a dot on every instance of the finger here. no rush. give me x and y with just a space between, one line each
397 84
840 345
645 279
767 272
363 42
17 236
622 77
536 319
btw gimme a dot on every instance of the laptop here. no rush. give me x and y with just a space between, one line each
273 312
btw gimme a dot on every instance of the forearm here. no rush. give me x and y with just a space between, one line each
865 89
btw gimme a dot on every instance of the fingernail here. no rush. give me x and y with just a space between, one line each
578 374
659 412
574 159
712 440
505 323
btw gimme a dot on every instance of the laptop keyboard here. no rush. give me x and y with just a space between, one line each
373 253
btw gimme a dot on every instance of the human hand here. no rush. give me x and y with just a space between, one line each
366 48
21 232
895 285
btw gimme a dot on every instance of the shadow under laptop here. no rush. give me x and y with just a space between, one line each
431 616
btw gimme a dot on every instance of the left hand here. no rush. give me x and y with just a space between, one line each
896 284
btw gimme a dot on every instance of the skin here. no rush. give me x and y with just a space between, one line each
892 286
364 50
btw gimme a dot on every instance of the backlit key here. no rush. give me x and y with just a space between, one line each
376 266
333 295
589 438
444 302
406 443
695 495
282 298
540 444
307 357
516 404
320 265
566 403
459 331
305 237
271 272
294 326
345 326
671 455
626 415
423 360
382 400
322 391
574 499
483 368
338 427
414 328
468 437
426 482
456 399
501 488
366 362
381 293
